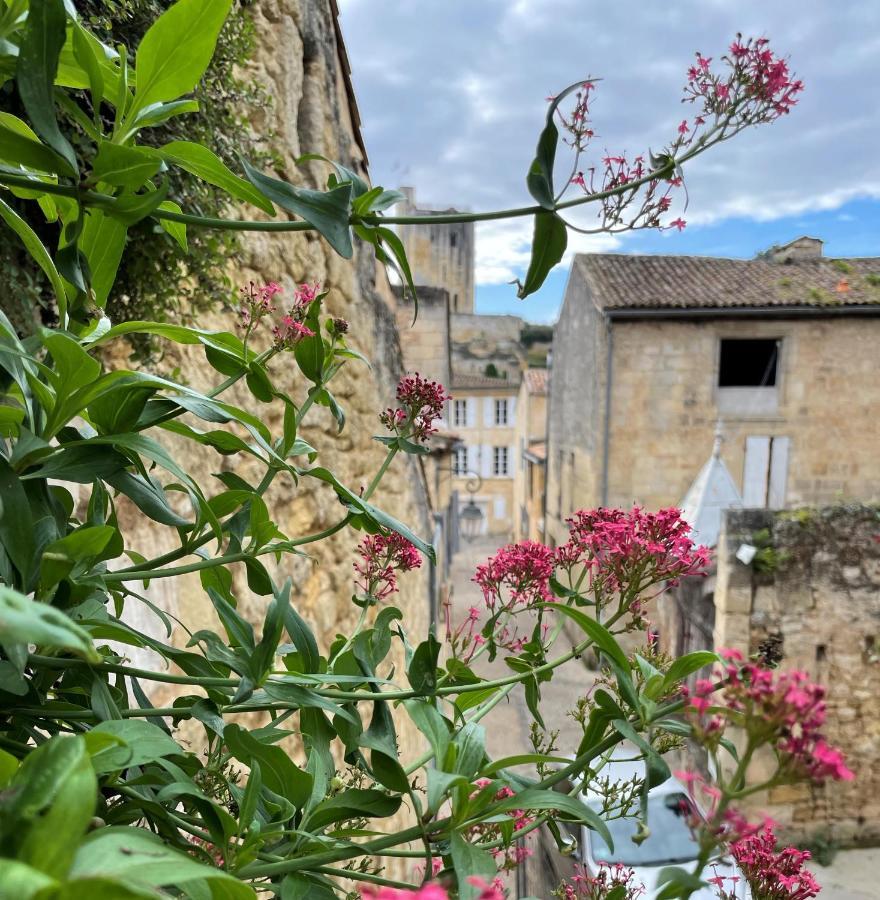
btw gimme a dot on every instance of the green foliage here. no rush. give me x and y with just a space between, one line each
842 266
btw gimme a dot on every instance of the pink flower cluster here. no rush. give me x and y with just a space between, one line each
517 574
783 709
615 878
432 891
510 856
772 874
421 405
256 305
256 302
626 552
382 557
291 329
757 88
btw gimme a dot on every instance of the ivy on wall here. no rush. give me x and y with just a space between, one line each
157 279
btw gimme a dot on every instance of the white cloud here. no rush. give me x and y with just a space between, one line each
452 93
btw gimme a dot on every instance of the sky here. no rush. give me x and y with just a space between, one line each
452 95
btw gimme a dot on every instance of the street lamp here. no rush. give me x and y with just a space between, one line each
470 519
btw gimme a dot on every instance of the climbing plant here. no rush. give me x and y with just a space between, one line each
99 794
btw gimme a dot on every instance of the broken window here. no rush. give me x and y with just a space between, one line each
748 362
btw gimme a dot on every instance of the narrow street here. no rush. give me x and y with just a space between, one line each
851 876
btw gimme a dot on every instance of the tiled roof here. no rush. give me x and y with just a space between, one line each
621 281
536 381
466 380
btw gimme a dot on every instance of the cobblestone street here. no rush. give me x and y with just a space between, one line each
853 875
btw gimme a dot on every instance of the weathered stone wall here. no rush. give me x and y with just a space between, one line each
425 341
311 112
822 599
479 340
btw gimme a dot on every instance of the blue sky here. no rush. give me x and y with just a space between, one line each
452 95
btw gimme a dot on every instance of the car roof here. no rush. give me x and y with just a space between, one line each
624 765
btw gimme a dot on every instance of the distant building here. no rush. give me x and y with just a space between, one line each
650 351
484 417
440 255
531 450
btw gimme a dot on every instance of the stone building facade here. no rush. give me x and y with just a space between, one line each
814 592
531 456
439 254
650 352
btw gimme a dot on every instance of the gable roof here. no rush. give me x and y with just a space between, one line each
712 492
626 282
536 381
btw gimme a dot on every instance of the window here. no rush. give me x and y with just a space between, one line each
460 461
748 362
500 412
459 413
452 238
499 461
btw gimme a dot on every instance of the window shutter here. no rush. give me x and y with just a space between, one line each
511 412
755 471
500 511
486 461
489 411
778 472
471 412
511 459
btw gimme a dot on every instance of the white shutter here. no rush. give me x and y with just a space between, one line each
489 411
511 459
500 510
778 472
471 412
486 461
757 465
511 412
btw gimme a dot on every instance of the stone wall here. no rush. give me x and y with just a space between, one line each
821 598
478 341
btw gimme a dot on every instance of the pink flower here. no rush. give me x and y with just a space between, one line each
421 404
517 574
774 874
425 892
677 223
494 891
683 128
382 557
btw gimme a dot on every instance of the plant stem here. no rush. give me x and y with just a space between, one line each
378 476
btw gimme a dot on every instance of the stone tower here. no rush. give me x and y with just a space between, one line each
440 256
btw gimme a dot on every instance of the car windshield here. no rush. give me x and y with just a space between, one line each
670 840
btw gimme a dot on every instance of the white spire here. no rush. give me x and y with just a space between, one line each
712 491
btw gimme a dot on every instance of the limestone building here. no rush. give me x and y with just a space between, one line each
531 456
651 351
440 255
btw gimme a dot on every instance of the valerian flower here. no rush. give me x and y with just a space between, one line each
517 574
772 874
609 880
382 557
783 709
256 303
292 328
421 405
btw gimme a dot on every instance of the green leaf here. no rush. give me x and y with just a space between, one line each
568 807
352 803
549 240
127 167
86 54
41 43
204 164
19 145
657 771
102 241
469 861
148 496
138 742
38 252
298 886
470 745
327 211
80 546
422 671
176 50
598 633
129 208
540 176
687 665
676 881
177 230
26 621
16 526
520 759
432 725
280 774
49 805
157 113
139 858
19 881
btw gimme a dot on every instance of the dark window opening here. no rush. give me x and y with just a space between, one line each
821 653
748 362
452 238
